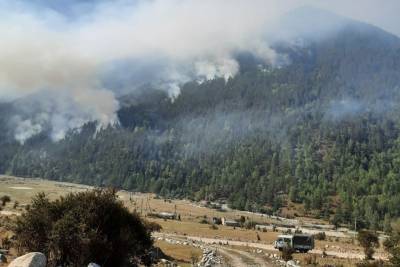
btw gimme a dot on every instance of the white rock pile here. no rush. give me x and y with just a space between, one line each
292 264
277 259
210 258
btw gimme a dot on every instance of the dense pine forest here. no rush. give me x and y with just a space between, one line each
321 130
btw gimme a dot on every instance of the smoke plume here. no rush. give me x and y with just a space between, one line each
64 61
76 56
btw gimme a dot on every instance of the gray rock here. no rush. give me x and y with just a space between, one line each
33 259
291 264
92 264
3 258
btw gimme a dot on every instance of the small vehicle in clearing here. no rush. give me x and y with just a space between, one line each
298 242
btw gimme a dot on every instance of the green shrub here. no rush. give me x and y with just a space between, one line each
91 226
5 199
368 240
320 236
287 253
203 221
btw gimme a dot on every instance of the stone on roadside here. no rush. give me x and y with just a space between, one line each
33 259
3 258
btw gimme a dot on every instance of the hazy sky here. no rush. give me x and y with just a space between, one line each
382 13
62 51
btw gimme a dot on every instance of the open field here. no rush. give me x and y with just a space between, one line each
181 253
342 250
23 189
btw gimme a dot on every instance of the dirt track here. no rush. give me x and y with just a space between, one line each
242 258
233 256
344 255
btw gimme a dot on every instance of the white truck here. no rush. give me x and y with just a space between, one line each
298 242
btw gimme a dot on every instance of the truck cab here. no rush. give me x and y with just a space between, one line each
298 242
283 241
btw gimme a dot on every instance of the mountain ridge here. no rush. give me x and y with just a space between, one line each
322 128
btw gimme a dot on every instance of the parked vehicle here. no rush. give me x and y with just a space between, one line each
299 242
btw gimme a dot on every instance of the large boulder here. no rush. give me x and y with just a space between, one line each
33 259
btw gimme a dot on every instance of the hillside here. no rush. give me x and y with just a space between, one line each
321 130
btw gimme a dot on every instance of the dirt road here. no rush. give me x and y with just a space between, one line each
245 258
344 255
233 257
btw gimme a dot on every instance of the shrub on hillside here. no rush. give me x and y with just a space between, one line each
6 242
320 236
153 226
392 244
5 199
287 254
369 241
91 226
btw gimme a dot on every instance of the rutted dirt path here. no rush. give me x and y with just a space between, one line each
234 257
344 255
247 258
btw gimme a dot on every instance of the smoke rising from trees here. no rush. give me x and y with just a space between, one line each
78 62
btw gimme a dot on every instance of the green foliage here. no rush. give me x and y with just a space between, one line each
6 243
320 236
368 240
287 253
153 226
392 244
323 131
84 227
4 200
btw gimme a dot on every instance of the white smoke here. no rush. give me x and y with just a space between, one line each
225 67
58 112
41 50
25 129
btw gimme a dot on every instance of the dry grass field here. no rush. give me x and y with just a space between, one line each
182 254
23 189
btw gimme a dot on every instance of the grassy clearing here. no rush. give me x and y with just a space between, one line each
319 261
22 190
181 253
224 232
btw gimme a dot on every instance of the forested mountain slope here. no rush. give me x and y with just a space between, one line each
322 128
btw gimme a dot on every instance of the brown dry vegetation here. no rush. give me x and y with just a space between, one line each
22 190
182 254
